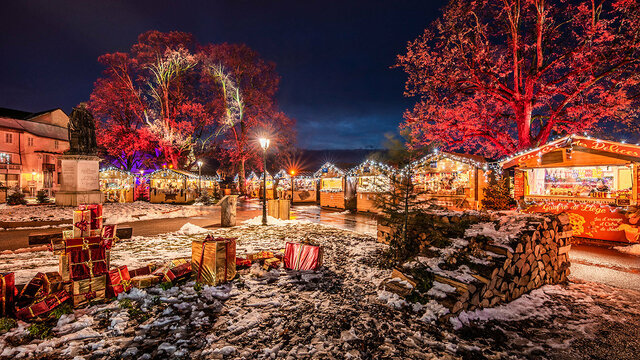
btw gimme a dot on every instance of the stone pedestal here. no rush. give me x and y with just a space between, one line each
79 180
228 210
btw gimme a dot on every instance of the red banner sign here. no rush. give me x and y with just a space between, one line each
607 146
593 221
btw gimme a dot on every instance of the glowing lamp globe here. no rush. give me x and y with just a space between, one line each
264 143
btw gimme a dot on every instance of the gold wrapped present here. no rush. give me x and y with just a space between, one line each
63 267
272 263
93 288
144 281
213 260
67 234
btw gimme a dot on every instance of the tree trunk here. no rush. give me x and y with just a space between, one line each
243 188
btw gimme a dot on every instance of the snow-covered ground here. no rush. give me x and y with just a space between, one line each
113 213
337 312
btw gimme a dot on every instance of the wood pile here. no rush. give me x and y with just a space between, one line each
536 256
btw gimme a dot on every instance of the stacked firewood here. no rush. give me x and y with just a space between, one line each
539 256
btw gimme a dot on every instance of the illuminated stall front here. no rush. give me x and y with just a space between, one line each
594 181
269 186
173 186
117 185
332 186
451 180
252 184
305 186
372 179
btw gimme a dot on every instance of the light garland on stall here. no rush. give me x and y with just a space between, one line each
330 167
375 164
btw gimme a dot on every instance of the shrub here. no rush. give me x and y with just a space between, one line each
7 324
17 198
42 197
40 331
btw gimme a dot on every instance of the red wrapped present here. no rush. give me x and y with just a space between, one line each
7 293
243 262
145 270
96 214
43 306
92 288
174 270
32 291
214 260
87 263
118 281
81 223
109 231
302 256
63 246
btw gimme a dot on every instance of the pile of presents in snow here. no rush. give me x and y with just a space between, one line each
85 275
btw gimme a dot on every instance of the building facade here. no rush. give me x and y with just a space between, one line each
30 144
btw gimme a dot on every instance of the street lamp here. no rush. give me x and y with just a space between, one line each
264 144
199 177
293 173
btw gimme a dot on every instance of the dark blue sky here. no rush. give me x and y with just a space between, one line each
333 56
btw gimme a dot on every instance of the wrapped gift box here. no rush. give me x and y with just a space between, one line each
177 273
242 262
144 281
7 293
85 290
52 282
299 256
96 215
41 307
81 223
109 231
272 263
67 234
145 270
87 263
118 281
63 246
31 292
63 267
213 260
260 255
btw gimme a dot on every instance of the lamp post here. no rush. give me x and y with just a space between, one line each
264 144
199 177
293 173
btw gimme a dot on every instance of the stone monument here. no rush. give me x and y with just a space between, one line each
80 176
228 210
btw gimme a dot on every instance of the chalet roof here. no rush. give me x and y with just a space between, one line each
20 121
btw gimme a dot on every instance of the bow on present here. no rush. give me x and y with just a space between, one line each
82 225
90 295
126 284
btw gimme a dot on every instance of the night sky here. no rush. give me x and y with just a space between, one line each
333 56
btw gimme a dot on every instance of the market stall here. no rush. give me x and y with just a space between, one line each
117 185
269 186
594 181
372 179
305 187
332 186
451 180
173 186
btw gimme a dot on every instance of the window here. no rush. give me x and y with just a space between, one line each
56 144
8 138
29 141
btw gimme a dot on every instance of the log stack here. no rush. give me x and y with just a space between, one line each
540 257
502 272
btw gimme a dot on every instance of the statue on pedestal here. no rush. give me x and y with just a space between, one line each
82 132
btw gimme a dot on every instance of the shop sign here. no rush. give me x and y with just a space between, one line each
518 184
593 221
606 146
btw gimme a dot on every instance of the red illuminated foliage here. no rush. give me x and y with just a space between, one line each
159 101
500 76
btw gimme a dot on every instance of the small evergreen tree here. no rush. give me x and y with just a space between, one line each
42 197
497 195
16 198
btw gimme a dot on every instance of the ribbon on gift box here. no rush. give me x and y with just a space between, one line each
87 289
7 292
83 225
87 263
118 280
96 214
43 306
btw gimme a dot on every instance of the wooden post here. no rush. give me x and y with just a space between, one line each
228 210
279 209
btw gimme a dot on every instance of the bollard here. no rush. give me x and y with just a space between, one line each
228 206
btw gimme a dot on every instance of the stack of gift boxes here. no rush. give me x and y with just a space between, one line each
84 268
